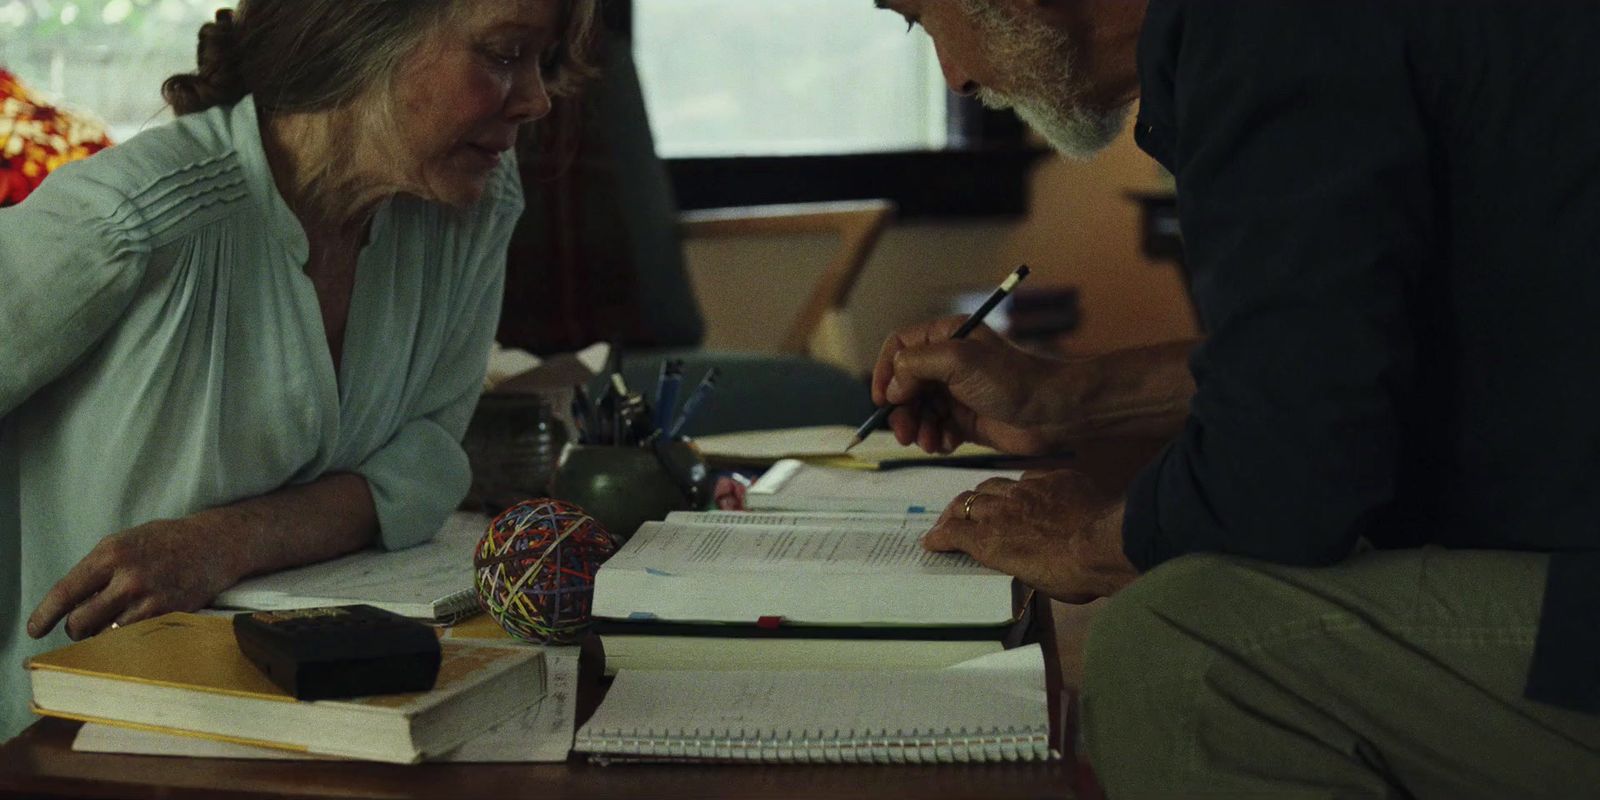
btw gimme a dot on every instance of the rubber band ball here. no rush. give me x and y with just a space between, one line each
535 570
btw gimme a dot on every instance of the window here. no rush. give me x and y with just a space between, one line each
782 101
751 101
786 77
104 57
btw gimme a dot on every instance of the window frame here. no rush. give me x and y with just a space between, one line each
981 173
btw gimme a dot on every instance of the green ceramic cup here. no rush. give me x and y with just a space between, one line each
624 487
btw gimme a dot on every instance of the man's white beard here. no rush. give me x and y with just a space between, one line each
1071 129
1036 61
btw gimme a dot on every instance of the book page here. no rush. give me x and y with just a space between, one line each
415 582
806 519
799 709
672 547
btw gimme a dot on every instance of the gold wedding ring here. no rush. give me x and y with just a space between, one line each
966 507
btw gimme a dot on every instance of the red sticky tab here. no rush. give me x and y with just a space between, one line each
769 623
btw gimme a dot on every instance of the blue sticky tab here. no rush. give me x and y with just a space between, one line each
657 572
641 616
917 510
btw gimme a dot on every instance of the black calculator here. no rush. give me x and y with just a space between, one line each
340 651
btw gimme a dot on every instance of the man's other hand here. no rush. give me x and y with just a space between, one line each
1055 531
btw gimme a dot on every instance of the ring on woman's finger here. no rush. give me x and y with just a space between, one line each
966 507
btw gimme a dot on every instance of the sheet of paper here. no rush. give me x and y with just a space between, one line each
411 582
541 734
817 442
793 485
505 362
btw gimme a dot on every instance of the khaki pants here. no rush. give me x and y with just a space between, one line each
1396 674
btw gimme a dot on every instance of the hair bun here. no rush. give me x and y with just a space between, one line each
217 81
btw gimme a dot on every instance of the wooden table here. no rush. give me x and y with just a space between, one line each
40 763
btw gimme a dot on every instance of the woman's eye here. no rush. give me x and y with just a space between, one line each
505 57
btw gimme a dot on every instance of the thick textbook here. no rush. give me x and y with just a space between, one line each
431 582
635 646
541 733
183 673
738 590
990 709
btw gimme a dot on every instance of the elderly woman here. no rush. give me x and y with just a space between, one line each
252 338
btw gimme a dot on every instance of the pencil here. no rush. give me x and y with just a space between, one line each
1000 293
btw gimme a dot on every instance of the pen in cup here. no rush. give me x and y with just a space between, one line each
692 405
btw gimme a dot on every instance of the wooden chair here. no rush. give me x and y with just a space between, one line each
819 330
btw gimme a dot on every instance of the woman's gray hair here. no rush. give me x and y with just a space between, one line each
316 55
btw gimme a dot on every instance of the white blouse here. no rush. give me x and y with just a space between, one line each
162 352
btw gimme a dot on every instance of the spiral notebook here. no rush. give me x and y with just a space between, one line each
992 708
432 581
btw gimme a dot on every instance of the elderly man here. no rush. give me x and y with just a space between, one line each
1368 562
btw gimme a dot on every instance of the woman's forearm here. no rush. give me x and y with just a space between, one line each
295 525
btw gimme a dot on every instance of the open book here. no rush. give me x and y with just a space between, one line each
990 709
736 590
432 581
852 574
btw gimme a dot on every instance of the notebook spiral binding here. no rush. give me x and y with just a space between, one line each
456 607
838 746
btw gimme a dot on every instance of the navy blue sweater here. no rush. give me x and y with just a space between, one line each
1391 214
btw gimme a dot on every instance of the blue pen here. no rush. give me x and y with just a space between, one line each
667 392
696 399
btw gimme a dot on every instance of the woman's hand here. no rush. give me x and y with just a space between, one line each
161 566
980 389
182 564
1054 531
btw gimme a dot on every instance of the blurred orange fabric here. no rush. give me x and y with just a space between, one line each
35 138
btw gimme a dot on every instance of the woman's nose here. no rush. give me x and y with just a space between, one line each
529 99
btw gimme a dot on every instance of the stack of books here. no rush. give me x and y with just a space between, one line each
184 674
819 590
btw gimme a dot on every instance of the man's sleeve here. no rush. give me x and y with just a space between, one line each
1303 171
421 474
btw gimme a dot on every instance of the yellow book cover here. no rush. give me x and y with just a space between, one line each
184 673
